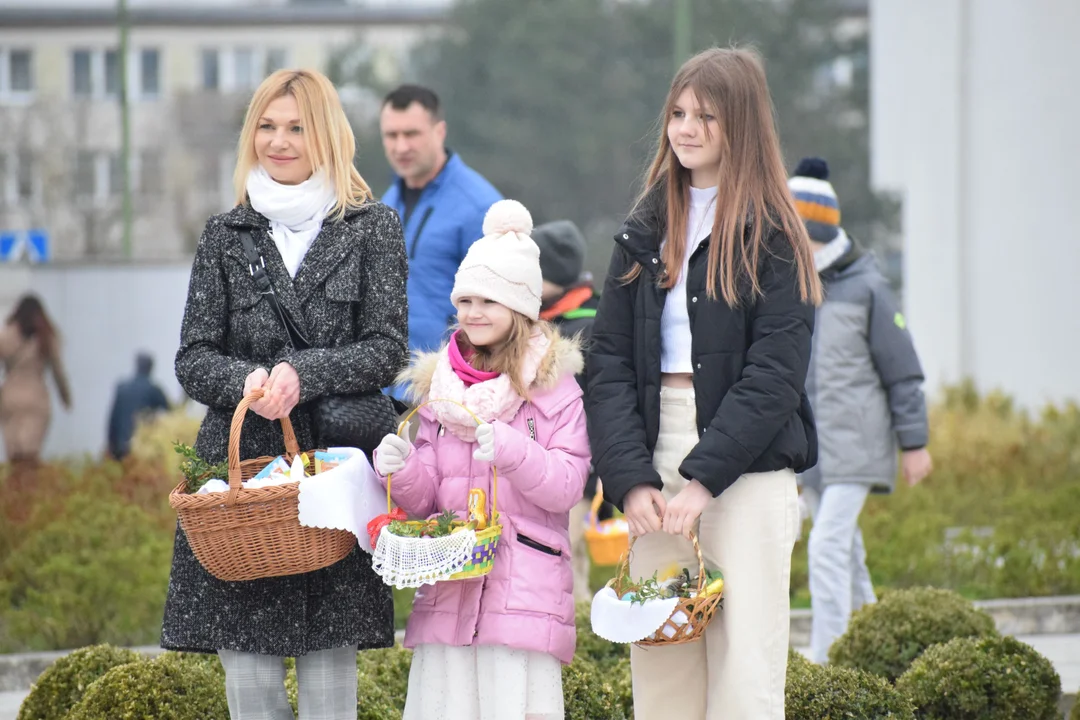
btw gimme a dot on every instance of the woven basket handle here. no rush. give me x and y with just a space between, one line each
292 448
624 563
494 472
597 501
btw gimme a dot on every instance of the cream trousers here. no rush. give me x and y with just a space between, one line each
738 670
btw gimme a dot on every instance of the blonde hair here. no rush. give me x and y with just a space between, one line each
752 179
508 358
328 136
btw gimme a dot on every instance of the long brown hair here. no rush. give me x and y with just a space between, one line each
327 134
507 358
30 317
752 181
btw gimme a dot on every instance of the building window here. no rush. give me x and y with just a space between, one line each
276 59
239 69
150 72
82 73
211 69
96 73
16 73
151 173
17 179
112 73
85 175
115 185
245 76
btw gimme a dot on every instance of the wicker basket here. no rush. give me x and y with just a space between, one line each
698 610
605 548
482 558
255 533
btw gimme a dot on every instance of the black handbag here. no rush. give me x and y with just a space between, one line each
358 420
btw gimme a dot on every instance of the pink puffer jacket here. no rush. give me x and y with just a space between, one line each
526 601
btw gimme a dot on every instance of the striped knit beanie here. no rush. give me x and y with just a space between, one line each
815 199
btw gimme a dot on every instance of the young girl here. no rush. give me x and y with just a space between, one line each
697 414
490 648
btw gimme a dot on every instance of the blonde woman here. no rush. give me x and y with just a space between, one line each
336 261
698 414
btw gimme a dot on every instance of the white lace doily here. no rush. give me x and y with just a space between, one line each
411 562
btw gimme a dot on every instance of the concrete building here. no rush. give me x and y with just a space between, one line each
191 70
974 114
192 67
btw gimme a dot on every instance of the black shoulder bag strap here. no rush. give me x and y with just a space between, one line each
257 268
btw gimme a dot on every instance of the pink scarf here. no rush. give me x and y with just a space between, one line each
490 399
461 365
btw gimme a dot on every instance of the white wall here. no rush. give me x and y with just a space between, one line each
106 314
974 115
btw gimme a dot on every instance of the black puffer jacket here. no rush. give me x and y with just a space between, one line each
349 300
750 365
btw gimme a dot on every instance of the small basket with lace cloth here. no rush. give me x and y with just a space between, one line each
625 611
406 553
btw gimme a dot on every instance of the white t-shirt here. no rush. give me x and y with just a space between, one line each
675 322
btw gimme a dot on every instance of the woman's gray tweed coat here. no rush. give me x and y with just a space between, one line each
349 300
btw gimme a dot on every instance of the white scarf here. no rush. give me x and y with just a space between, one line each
295 212
832 251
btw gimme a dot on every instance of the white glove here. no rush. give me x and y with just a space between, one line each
391 454
485 441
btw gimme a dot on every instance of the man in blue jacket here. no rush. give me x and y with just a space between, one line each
441 202
134 398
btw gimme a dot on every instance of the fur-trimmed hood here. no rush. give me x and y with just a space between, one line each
563 357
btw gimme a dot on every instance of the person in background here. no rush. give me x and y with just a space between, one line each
570 302
30 350
865 385
133 398
441 202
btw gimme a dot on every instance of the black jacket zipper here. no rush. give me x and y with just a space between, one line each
529 542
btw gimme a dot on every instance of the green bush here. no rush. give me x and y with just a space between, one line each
593 647
589 693
97 575
389 669
982 679
885 637
208 661
996 518
813 692
166 688
63 683
373 702
1074 714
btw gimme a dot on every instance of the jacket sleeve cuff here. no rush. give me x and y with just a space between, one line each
913 437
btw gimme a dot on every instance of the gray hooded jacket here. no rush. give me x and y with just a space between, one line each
865 381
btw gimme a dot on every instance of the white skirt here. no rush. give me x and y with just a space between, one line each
445 682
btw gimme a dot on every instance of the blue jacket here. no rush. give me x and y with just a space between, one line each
446 221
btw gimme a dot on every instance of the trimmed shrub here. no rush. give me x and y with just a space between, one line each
603 653
208 661
998 678
589 693
165 688
814 692
373 702
1074 714
389 669
885 637
64 682
98 574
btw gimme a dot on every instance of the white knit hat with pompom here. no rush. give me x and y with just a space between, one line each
504 265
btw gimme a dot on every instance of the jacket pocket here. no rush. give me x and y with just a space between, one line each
343 287
529 542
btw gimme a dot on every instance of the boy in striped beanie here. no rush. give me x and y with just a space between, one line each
816 200
865 385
